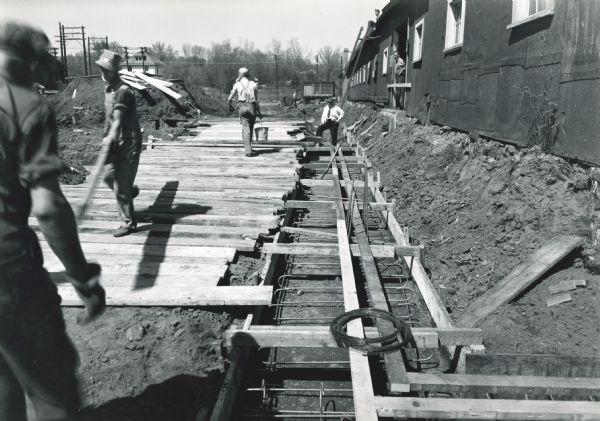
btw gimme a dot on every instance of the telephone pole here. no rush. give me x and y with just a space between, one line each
276 77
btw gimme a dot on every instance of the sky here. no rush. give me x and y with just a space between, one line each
140 23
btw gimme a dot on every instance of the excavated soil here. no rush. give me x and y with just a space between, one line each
480 208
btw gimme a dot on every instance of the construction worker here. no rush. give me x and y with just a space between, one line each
330 119
246 90
36 355
122 131
399 68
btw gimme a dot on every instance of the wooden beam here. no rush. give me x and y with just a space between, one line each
321 249
519 279
362 385
533 365
394 360
486 409
308 232
535 385
406 85
158 297
313 336
158 85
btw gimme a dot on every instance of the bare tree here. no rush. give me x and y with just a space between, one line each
330 59
162 51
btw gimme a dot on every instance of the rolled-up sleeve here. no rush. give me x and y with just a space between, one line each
38 149
123 99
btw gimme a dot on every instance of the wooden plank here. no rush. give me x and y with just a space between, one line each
314 336
197 296
362 385
486 409
145 239
160 86
308 232
145 281
138 250
538 385
533 365
394 360
323 249
519 279
563 297
125 266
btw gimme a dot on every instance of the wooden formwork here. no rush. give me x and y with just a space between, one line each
474 386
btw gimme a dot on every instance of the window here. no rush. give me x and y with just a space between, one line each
527 10
455 23
418 45
384 64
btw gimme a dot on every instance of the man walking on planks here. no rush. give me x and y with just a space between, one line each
249 108
36 355
330 119
122 131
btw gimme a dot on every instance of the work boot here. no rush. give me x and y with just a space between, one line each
123 231
135 191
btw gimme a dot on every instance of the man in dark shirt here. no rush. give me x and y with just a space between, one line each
36 355
122 131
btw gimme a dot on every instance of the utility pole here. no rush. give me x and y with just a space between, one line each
127 59
85 58
143 52
64 46
276 77
317 58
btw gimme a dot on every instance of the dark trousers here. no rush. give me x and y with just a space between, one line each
121 169
247 118
332 126
36 355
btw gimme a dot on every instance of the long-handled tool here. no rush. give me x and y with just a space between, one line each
94 177
331 160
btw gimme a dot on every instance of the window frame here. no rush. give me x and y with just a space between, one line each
418 48
451 25
520 17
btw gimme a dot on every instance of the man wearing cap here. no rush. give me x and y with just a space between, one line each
246 90
122 131
330 119
36 355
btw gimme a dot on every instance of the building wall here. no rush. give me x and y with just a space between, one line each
537 83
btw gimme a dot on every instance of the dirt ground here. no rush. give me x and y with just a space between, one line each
480 208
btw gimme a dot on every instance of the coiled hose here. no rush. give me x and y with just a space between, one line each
401 336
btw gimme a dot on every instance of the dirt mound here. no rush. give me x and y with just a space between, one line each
481 207
84 99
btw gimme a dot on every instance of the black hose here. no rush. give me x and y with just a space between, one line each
401 336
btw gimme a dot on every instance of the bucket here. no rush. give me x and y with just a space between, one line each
262 134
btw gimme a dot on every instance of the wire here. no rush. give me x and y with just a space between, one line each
401 336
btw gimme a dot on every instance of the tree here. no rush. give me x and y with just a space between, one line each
330 59
162 51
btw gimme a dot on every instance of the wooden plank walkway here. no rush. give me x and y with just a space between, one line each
198 206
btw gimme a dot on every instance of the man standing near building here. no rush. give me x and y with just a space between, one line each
36 355
122 131
246 90
330 119
399 69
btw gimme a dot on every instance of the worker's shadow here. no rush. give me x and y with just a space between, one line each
266 151
181 397
163 216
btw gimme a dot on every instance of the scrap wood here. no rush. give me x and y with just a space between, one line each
368 129
519 279
563 297
567 285
158 85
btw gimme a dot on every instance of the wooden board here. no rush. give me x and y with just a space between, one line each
486 409
179 297
519 279
313 336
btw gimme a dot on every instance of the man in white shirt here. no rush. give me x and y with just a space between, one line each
330 119
246 90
